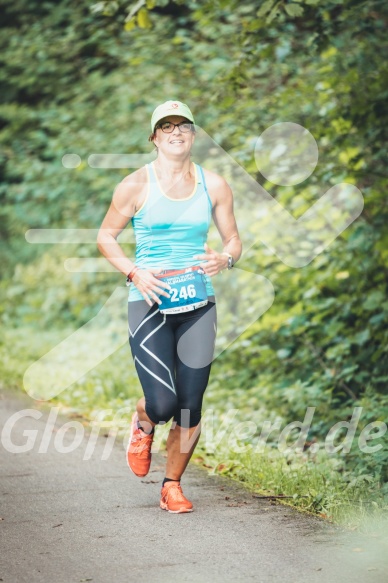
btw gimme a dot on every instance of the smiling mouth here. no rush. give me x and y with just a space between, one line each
176 142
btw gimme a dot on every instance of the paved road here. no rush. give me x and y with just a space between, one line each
66 519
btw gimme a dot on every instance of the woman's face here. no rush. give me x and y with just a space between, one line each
177 143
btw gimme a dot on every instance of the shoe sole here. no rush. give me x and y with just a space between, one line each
128 446
181 511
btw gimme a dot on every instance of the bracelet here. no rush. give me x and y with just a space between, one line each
131 275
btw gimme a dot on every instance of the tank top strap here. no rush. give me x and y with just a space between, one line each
154 192
201 179
151 172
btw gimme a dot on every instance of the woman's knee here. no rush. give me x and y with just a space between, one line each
161 410
187 417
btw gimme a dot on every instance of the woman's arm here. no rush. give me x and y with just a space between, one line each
224 219
120 212
129 195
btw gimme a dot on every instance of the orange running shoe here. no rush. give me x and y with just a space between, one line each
173 500
139 449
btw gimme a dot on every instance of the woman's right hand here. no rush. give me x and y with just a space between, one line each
149 286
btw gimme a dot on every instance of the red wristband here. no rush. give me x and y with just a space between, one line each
131 274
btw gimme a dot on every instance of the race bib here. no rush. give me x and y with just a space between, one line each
188 290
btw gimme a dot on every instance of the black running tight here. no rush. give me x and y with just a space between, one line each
173 355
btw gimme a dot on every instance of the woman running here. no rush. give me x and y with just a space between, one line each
171 304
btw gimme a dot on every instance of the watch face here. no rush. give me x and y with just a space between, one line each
230 262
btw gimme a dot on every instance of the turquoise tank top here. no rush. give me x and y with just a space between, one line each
169 232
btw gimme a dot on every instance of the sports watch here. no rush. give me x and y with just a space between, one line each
230 259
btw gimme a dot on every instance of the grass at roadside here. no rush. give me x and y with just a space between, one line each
313 480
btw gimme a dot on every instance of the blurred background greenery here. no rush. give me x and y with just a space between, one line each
83 77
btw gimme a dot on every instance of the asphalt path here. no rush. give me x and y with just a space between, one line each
67 519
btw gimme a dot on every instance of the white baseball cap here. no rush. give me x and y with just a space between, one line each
170 108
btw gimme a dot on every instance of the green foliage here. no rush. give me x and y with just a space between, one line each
81 78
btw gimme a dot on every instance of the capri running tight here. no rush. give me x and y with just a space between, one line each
173 355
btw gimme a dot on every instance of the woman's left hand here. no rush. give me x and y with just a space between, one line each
215 262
